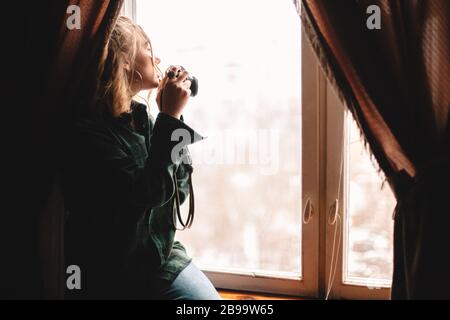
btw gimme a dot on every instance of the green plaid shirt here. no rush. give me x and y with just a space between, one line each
119 192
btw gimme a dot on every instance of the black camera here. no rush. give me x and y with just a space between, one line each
194 82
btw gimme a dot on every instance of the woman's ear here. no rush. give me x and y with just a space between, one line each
126 66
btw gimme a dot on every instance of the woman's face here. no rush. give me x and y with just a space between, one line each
144 65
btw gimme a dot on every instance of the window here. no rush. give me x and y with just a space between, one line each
368 226
249 107
360 241
247 74
267 173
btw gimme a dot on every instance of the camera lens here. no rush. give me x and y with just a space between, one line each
194 86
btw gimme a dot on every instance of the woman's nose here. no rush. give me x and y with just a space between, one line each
157 60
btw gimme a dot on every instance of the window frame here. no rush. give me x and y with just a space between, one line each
337 141
129 9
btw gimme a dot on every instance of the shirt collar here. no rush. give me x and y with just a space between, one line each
138 113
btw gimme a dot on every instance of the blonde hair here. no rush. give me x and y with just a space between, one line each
113 92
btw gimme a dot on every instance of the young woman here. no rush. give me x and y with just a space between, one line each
119 181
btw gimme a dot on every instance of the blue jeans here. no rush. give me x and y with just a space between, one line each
190 284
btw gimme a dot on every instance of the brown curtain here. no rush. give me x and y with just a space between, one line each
51 71
396 83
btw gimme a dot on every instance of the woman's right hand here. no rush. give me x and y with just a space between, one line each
175 92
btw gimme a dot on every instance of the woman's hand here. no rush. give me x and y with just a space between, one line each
174 91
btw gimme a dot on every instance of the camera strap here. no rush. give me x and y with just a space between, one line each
176 214
176 208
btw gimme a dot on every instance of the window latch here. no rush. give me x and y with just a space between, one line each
308 211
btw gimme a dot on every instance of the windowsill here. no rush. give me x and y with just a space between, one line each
241 295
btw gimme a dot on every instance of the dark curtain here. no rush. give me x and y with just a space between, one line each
50 72
396 83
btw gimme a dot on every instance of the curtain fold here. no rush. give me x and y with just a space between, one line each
396 83
52 73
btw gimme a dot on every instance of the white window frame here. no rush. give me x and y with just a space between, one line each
308 285
323 124
129 9
338 123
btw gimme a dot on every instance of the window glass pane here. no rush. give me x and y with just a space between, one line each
247 173
369 226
